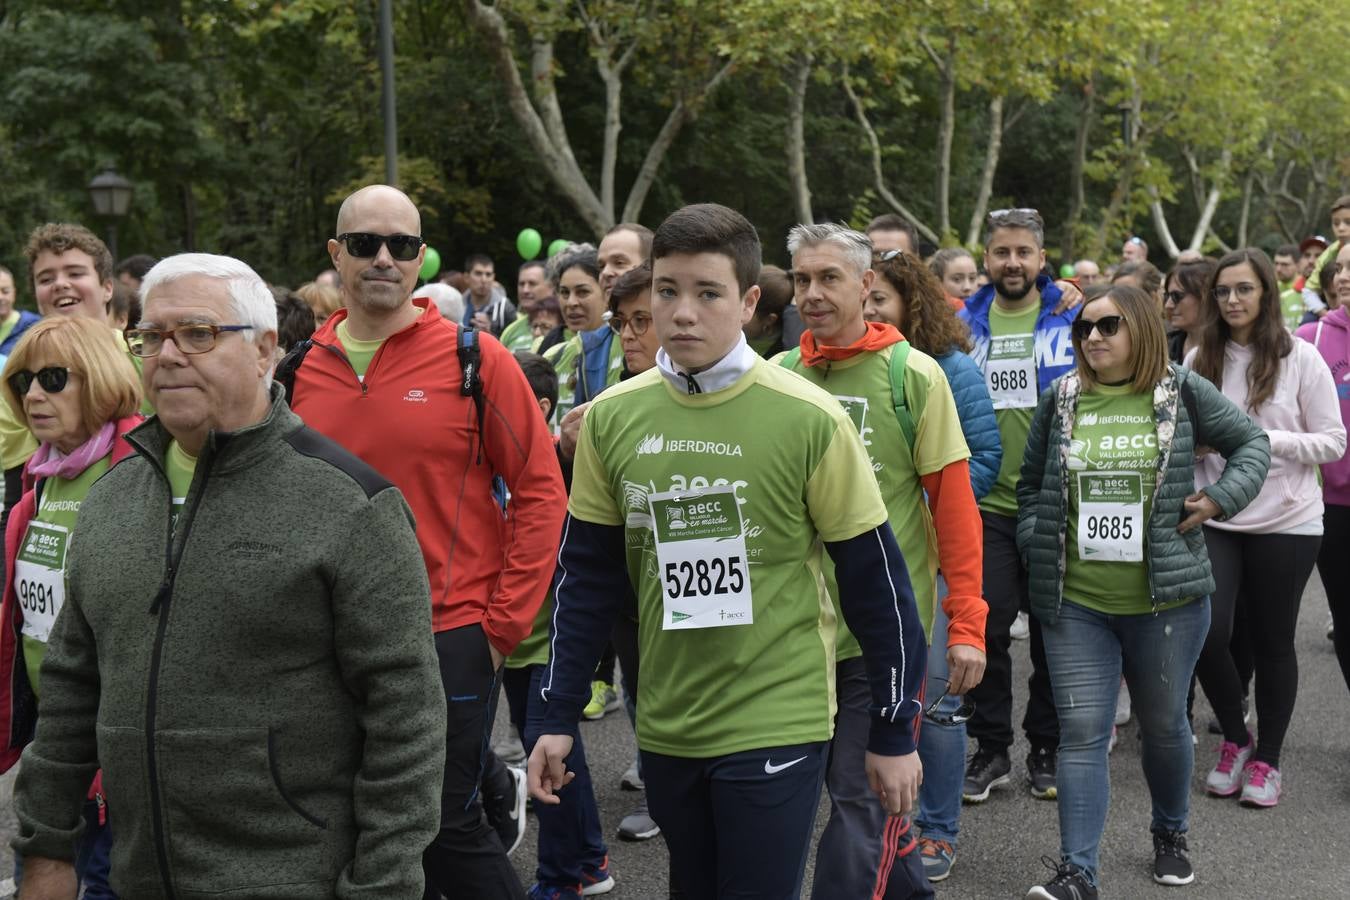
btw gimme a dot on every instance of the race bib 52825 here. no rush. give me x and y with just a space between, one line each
700 550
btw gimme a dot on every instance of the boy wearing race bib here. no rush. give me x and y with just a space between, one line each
710 483
1021 343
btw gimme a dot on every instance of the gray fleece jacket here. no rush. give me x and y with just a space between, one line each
258 681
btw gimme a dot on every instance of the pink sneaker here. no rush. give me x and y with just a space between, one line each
1225 779
1260 785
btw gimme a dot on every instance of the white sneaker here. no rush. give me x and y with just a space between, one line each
1225 779
1122 704
1020 630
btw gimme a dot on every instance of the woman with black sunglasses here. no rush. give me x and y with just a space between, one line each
1263 557
70 381
1109 524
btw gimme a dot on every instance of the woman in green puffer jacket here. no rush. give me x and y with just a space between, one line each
1109 525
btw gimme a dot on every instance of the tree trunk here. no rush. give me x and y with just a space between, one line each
685 111
796 141
1077 189
609 159
544 133
1245 216
991 154
946 132
879 179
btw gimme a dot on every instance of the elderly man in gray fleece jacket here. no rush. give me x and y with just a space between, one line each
245 646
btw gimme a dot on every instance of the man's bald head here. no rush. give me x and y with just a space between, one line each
380 200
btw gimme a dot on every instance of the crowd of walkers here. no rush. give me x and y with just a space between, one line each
272 557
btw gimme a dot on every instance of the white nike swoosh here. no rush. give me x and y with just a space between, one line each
771 769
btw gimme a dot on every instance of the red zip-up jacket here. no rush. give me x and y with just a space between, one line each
409 421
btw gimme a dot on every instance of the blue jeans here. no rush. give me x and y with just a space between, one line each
1087 652
942 748
91 860
570 837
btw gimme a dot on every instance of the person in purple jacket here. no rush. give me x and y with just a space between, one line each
1331 336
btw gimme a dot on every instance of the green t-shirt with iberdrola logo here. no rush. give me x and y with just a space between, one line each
180 467
518 335
1291 302
1010 375
533 651
862 384
359 353
566 361
745 483
1112 471
40 566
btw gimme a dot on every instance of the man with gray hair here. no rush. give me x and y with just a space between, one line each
1022 342
245 645
901 402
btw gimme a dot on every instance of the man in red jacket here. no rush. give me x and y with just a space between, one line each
383 378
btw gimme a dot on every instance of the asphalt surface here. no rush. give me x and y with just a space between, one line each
1299 850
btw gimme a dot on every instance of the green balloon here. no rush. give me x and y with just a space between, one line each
431 264
558 246
1066 271
528 243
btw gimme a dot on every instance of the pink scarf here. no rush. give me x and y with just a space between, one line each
48 461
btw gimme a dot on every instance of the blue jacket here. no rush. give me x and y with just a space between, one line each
978 424
594 363
1054 343
26 321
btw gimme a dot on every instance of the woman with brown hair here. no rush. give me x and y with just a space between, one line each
1262 556
1182 301
908 295
1108 520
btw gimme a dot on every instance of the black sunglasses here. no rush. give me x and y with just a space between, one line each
365 244
961 714
1174 297
53 380
1106 326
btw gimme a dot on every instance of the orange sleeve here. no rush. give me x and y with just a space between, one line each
960 538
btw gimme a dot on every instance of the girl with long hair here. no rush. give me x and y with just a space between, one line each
909 296
1185 286
1262 557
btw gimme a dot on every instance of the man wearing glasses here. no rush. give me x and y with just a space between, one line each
1021 342
244 645
383 378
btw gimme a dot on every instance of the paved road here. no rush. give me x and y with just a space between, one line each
1300 850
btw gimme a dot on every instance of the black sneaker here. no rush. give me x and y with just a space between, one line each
1170 865
987 769
1041 773
1069 883
504 809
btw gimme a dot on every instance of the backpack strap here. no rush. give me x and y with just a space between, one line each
290 363
791 358
471 381
899 359
1188 398
471 385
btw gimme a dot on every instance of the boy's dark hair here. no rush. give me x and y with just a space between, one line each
136 266
630 285
295 320
775 292
125 304
712 228
894 222
644 234
1326 284
1342 202
478 259
541 375
1289 250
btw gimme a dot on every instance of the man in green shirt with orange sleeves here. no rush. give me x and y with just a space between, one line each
709 485
899 400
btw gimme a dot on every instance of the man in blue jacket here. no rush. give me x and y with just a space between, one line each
1022 343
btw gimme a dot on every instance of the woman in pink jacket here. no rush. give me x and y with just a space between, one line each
1331 336
1263 556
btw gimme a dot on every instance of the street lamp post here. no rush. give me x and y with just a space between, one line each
111 194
